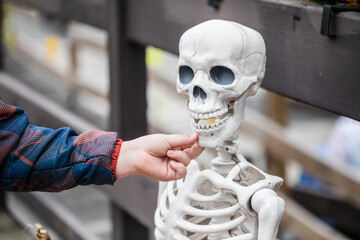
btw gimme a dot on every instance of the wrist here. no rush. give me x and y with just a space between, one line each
125 163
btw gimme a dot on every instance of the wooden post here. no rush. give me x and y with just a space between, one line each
126 227
277 108
73 91
128 101
276 111
127 76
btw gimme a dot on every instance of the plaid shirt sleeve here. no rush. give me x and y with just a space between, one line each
42 159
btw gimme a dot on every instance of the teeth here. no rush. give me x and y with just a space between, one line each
207 121
201 126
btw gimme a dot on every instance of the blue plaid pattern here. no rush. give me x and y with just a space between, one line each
41 159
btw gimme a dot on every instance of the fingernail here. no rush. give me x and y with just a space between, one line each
170 152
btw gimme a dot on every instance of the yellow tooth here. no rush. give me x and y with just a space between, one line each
207 121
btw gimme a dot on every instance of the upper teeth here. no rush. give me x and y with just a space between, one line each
208 115
208 121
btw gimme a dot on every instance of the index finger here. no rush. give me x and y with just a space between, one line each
177 141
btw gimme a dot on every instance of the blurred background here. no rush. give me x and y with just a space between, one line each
66 64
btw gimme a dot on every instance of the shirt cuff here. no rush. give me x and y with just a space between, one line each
115 156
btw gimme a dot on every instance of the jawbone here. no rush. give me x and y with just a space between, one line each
215 127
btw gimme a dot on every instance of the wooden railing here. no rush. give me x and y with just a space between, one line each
302 65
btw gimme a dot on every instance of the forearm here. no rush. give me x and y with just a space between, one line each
55 160
36 158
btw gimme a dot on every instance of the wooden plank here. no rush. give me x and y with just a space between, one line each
302 64
92 12
284 147
305 225
276 110
339 213
57 216
68 78
40 109
345 180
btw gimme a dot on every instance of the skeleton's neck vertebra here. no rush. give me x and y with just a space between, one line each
226 159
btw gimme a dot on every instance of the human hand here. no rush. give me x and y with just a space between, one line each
158 156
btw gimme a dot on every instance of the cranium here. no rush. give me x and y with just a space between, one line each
221 63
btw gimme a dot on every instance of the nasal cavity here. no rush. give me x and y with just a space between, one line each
199 92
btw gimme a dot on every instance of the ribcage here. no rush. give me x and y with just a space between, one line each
206 205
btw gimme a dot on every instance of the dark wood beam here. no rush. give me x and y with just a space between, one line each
302 64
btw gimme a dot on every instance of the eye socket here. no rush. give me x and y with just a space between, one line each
186 74
222 75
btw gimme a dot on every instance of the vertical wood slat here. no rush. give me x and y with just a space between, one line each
276 111
127 76
127 226
128 101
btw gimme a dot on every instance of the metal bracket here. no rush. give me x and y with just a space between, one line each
328 12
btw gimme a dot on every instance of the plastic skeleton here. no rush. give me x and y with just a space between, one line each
221 63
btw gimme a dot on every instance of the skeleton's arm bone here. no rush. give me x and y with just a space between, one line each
270 209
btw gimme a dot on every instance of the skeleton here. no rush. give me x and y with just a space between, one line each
221 63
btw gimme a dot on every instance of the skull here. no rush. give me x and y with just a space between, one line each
221 63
